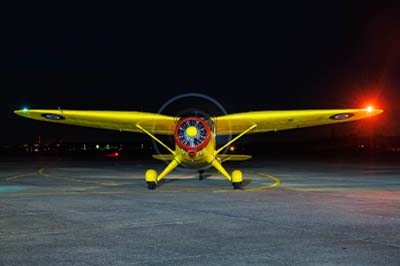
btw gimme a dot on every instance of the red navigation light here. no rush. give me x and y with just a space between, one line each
116 154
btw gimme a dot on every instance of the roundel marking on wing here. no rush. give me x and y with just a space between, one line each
53 116
341 116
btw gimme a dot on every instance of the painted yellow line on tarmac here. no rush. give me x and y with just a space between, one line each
323 189
42 173
18 176
69 193
276 183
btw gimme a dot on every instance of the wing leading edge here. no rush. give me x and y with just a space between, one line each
281 120
114 120
155 123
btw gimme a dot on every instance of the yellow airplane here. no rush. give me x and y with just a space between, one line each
195 136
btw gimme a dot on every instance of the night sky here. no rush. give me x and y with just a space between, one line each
248 57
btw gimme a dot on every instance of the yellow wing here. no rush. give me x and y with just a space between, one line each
280 120
115 120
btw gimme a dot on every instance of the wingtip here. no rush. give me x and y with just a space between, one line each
21 112
372 111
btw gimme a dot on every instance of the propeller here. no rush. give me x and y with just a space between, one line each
194 111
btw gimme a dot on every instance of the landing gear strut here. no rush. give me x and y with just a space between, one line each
201 172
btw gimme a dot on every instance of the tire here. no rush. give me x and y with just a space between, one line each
237 185
151 185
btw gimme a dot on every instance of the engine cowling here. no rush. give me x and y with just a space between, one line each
192 134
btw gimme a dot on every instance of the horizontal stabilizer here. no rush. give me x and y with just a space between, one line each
233 157
163 157
222 157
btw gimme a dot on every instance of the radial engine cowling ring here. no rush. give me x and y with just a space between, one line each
192 134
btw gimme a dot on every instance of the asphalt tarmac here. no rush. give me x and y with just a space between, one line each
58 211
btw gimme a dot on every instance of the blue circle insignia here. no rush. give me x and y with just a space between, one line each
341 116
53 116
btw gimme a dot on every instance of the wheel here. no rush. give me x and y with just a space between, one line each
151 185
237 185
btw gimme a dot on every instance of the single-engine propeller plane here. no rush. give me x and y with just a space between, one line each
195 135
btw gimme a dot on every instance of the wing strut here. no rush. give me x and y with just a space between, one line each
155 138
234 139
